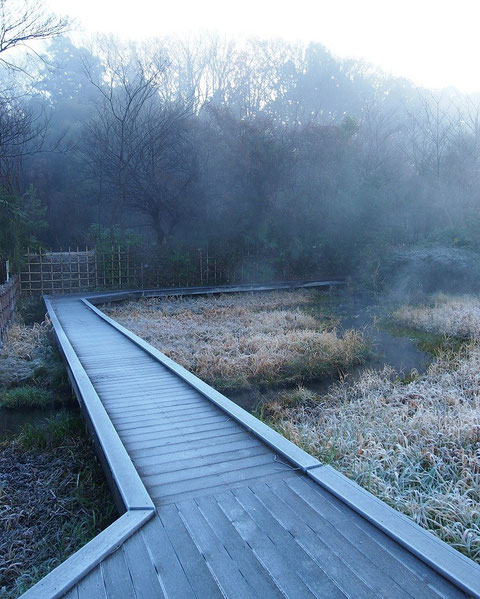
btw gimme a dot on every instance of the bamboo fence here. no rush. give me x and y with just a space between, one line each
93 269
9 294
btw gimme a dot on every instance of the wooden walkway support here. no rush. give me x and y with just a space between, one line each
215 503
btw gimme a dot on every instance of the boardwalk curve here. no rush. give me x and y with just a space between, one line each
214 503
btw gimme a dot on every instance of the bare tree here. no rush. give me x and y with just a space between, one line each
24 21
22 129
433 125
138 145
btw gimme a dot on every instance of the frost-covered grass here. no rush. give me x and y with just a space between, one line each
415 445
235 341
453 316
54 500
26 396
29 356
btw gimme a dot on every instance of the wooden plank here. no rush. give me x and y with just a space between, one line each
168 451
156 430
163 499
251 568
158 417
121 375
187 468
159 425
231 580
166 562
334 565
314 577
151 385
279 567
116 576
194 440
363 564
92 586
122 416
122 397
161 463
259 468
216 471
158 398
136 400
174 436
196 570
142 572
357 531
160 432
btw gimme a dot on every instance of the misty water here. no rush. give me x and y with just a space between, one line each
363 313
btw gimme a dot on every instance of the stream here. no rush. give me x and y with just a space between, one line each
360 312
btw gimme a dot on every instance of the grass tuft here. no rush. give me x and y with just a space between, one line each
450 316
26 396
240 341
30 356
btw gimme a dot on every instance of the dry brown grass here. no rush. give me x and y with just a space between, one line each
240 340
22 341
454 316
416 445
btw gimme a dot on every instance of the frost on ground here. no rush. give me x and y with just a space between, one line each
454 316
23 352
415 446
240 340
54 500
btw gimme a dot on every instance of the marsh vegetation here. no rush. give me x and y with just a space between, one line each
245 341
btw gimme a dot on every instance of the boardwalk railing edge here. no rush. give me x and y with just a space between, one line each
298 456
130 489
118 296
440 556
70 572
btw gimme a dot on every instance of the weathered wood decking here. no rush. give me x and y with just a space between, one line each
216 503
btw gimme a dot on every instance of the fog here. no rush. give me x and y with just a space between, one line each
277 150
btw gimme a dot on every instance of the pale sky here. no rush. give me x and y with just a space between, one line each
436 43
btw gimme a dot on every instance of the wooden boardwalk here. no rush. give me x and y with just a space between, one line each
215 503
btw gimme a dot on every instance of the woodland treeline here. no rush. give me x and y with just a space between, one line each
262 147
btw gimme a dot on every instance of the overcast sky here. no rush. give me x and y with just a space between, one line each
436 43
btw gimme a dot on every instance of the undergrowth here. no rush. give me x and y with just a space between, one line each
53 500
29 357
444 315
26 396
